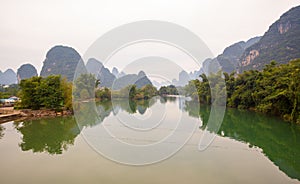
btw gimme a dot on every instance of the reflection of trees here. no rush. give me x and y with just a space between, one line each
165 99
278 140
104 109
1 131
54 135
85 114
48 135
143 105
133 106
89 114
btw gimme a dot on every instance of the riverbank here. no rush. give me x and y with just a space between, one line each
10 114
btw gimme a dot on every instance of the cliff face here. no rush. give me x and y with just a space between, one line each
229 59
280 43
61 60
26 71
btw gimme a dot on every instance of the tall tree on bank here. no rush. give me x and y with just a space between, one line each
51 92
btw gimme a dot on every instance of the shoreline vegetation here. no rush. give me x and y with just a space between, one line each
274 91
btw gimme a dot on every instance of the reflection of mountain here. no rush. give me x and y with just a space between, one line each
48 135
88 115
278 140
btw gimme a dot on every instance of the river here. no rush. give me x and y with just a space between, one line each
249 147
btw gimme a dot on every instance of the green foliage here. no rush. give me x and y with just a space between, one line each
279 141
12 90
31 98
241 90
168 90
134 93
146 92
67 93
2 128
103 94
53 135
84 86
51 92
275 90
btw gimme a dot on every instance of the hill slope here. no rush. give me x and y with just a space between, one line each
61 60
8 77
281 43
103 74
26 71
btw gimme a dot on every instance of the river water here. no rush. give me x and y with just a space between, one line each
249 147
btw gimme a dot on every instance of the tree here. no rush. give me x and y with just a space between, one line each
147 91
30 93
168 90
85 83
51 92
67 93
275 90
103 94
204 90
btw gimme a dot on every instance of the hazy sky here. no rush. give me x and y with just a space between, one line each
28 29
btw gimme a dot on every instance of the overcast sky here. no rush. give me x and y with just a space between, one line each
28 29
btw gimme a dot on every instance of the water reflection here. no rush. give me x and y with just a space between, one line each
278 140
48 135
54 135
1 131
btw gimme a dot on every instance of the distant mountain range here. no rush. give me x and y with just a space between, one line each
103 74
139 80
117 80
8 77
281 43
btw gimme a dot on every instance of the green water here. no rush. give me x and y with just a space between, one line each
249 148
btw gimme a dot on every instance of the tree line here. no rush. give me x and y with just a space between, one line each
275 90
